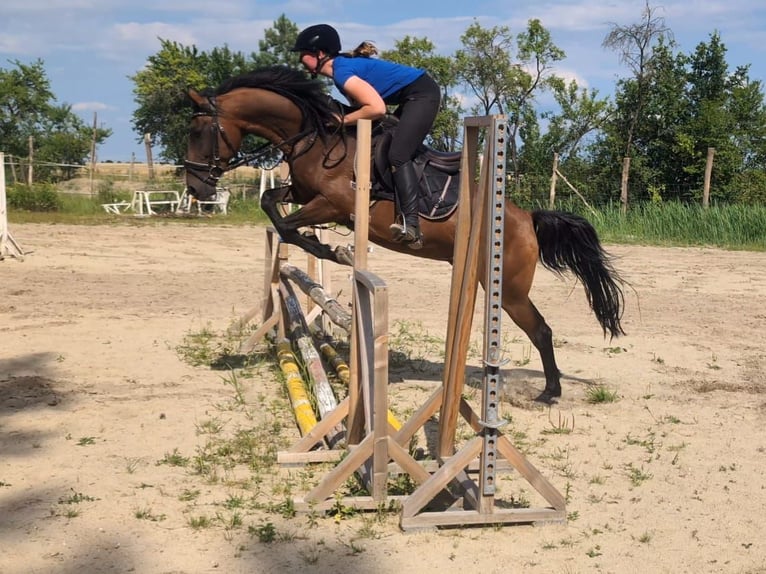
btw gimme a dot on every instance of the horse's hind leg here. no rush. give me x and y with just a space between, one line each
519 264
528 318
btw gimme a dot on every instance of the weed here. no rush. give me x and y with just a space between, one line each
637 475
234 501
561 426
645 538
234 382
131 464
611 351
174 459
286 508
76 498
233 521
188 495
147 514
596 394
647 443
266 532
311 554
211 426
86 440
593 552
199 522
197 348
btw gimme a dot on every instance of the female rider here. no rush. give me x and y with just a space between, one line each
371 84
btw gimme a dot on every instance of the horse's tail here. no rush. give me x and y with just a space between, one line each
569 242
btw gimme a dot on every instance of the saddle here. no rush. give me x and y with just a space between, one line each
438 174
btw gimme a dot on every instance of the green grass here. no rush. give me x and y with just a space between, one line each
741 227
738 227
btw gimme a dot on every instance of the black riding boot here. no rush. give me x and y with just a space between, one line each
406 184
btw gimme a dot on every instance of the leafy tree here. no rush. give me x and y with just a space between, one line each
28 109
634 43
277 42
160 92
160 89
505 86
691 102
419 53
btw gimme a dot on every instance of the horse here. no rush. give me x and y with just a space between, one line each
296 117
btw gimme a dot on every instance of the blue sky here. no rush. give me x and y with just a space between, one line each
90 47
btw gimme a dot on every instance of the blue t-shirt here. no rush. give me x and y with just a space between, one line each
386 77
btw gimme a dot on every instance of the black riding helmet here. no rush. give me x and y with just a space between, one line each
318 37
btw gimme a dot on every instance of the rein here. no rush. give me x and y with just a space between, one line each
215 171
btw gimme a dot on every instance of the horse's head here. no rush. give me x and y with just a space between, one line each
213 141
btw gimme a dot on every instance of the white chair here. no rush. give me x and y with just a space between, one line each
220 201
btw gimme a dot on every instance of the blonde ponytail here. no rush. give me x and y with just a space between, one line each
365 50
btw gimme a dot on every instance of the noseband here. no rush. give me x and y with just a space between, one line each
215 171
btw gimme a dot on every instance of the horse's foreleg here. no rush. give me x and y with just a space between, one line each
315 212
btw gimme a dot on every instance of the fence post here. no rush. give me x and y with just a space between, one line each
708 173
554 177
624 184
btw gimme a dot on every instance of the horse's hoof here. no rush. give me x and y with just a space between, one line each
548 398
344 255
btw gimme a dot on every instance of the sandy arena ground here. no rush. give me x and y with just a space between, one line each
94 395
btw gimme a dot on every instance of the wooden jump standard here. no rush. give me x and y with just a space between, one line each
373 442
480 224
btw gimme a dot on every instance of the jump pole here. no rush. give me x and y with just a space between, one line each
8 245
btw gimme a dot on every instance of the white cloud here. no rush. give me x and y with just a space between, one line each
90 107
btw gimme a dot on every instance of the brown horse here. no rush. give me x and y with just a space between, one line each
294 114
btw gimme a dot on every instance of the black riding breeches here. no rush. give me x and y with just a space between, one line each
419 104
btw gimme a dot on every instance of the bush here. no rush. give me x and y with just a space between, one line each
40 197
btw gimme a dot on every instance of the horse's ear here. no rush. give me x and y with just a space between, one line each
197 100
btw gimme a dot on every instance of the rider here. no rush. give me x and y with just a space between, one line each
371 84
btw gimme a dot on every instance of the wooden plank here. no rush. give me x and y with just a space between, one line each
460 320
355 421
419 418
428 490
322 428
530 473
472 518
329 484
286 458
356 502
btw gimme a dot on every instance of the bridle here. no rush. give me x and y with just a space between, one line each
214 169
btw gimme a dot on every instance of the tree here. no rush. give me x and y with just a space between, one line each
634 43
276 46
160 92
419 53
160 87
691 103
28 110
503 85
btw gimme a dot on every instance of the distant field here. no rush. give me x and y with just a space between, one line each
140 170
126 177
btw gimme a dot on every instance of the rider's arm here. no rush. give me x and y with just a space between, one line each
370 105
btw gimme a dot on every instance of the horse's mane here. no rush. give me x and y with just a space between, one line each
308 94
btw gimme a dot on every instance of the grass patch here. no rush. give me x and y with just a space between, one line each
596 394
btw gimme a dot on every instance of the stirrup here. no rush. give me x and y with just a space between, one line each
409 235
